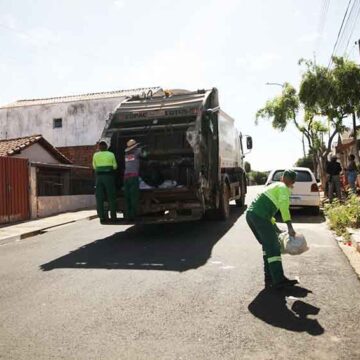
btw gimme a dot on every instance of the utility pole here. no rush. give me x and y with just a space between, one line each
303 144
354 125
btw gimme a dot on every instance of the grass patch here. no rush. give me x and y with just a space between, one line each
344 215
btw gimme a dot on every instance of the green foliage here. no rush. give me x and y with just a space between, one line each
306 161
342 216
333 93
327 96
258 177
247 167
281 109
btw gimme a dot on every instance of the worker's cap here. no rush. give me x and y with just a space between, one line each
103 142
290 174
131 144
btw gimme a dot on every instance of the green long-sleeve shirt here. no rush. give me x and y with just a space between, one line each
274 198
104 161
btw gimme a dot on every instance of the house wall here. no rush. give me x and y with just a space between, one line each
79 155
82 121
37 153
51 205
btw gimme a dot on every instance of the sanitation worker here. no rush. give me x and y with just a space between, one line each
104 164
260 218
131 178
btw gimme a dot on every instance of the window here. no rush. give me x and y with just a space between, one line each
301 176
57 123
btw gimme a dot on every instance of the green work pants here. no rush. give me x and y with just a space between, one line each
132 195
105 189
267 236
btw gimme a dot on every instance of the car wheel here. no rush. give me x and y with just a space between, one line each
314 210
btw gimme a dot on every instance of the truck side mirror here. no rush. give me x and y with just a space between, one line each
249 142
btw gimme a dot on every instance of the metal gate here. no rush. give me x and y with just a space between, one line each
14 190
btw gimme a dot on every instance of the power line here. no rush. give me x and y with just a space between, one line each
339 33
347 30
355 22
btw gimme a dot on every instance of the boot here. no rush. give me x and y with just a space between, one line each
284 283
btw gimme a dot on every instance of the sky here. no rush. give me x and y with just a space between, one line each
54 48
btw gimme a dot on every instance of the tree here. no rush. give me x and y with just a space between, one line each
306 161
284 109
333 94
258 177
327 97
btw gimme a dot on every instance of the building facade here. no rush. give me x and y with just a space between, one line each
71 123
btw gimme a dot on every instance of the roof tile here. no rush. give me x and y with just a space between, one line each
9 147
81 97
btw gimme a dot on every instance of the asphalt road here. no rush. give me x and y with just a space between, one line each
184 291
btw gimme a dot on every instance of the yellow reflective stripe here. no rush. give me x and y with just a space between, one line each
273 259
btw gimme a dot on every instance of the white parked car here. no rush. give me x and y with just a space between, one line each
305 192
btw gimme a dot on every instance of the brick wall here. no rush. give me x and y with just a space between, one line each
79 155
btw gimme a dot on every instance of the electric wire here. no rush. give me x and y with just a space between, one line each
339 33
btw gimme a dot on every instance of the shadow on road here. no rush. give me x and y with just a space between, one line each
303 216
270 306
172 247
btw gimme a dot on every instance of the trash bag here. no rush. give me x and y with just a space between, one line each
292 245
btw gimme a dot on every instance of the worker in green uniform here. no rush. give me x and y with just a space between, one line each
260 218
104 164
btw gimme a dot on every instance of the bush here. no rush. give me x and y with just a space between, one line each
305 162
258 177
341 216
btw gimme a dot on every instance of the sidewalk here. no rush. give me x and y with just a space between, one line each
35 227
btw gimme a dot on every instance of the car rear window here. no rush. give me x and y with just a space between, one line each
301 176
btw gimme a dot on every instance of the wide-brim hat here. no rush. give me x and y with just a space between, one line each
131 144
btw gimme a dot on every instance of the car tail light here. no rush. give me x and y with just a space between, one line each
314 188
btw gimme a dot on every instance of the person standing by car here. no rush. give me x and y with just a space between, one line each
104 164
351 173
260 218
334 169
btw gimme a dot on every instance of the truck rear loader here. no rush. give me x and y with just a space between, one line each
195 160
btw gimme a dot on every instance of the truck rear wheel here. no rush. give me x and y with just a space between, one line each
224 210
240 203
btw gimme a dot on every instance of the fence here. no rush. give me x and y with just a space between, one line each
14 189
55 182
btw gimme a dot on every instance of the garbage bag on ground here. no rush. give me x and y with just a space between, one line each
293 245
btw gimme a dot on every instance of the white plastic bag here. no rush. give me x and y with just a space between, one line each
292 245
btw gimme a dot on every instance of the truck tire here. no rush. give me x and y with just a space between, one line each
240 203
224 209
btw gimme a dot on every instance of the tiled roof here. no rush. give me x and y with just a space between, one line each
81 97
10 147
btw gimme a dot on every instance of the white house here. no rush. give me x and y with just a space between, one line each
71 123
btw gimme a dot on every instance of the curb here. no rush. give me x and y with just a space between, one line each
25 235
352 255
351 252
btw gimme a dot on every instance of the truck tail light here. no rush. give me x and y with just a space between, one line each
314 188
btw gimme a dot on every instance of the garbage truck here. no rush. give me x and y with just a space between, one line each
194 164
